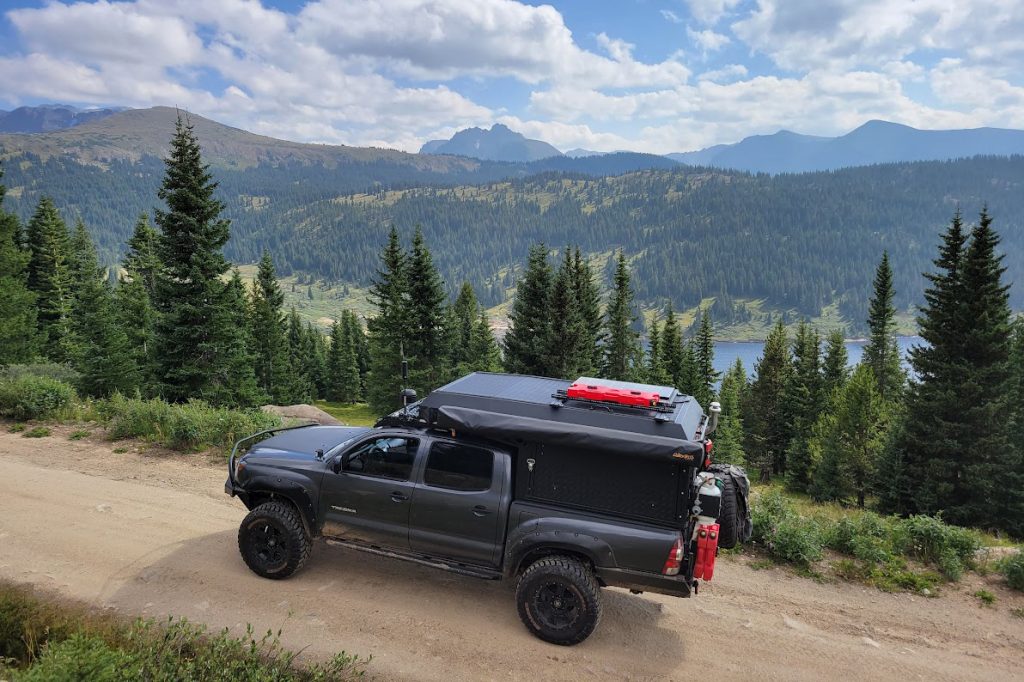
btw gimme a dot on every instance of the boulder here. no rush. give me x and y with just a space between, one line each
302 412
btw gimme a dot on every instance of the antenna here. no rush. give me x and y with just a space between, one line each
408 394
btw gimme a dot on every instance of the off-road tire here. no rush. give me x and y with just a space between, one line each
728 514
568 583
272 540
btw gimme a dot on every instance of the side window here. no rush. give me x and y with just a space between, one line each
388 457
459 467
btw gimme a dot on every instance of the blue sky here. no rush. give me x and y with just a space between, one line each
648 75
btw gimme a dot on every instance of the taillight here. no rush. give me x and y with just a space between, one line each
675 558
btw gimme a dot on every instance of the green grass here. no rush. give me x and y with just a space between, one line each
79 434
37 432
352 414
916 554
985 597
42 639
16 428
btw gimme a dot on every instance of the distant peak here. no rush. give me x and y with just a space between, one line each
500 128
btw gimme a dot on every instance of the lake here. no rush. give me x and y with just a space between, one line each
726 352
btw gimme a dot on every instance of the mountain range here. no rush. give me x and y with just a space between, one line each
757 245
872 143
497 144
48 117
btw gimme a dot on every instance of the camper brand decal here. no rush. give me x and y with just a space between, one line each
343 509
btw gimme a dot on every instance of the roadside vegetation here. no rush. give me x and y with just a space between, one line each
916 553
43 639
187 427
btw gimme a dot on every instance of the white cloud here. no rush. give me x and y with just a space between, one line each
707 40
710 11
814 34
729 72
671 16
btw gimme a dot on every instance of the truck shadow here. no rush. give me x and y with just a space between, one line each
344 599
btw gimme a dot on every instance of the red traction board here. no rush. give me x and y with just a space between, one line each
607 394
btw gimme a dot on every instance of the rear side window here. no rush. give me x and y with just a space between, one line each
459 467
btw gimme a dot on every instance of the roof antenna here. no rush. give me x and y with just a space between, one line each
408 394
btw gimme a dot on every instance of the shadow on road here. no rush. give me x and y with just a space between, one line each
395 610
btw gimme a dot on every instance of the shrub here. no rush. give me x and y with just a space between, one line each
1012 568
78 434
50 641
189 426
30 397
47 370
950 548
784 533
986 597
37 432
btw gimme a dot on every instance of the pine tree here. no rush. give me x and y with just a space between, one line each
301 387
343 365
51 279
834 370
933 443
766 412
270 345
589 298
729 435
568 351
704 357
1014 507
135 315
464 314
527 339
358 335
484 354
854 437
17 302
234 384
882 354
992 486
671 349
103 356
387 329
197 343
803 398
656 373
141 260
426 345
622 352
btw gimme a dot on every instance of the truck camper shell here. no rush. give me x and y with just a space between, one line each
596 453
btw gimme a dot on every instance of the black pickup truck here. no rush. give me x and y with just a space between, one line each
564 486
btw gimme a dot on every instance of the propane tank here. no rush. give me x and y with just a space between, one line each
709 500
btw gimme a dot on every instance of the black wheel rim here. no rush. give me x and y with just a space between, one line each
268 544
557 605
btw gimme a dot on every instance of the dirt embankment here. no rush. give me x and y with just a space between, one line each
155 535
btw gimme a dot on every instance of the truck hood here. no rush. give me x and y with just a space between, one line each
302 444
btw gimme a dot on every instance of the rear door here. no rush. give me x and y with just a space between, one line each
367 495
457 512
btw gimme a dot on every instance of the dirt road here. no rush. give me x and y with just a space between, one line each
155 535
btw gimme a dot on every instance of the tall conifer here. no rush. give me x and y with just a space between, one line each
389 294
803 396
527 339
569 348
882 354
729 436
767 414
589 298
51 279
622 352
427 341
270 343
834 371
17 303
197 341
704 357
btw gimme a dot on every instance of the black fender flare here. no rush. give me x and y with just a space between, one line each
554 536
288 488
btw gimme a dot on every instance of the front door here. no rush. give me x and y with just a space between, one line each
367 496
457 511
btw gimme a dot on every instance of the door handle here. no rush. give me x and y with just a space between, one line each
399 497
480 510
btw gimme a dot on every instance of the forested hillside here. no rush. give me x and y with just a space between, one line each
799 242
